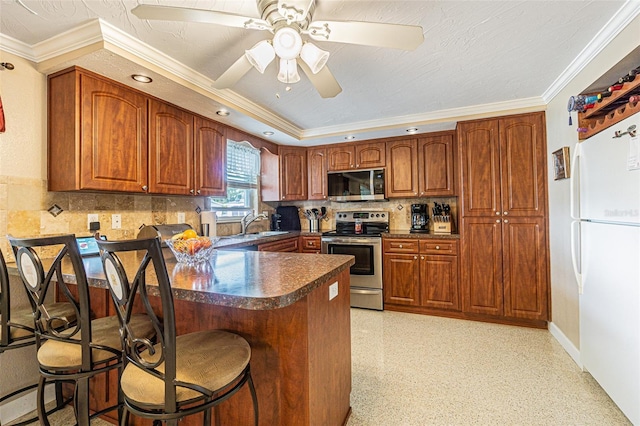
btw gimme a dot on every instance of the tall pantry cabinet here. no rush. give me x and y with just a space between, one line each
504 218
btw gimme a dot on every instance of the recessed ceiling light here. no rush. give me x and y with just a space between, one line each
350 137
267 133
223 112
141 78
412 129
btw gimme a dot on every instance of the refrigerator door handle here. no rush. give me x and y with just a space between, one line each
574 181
575 231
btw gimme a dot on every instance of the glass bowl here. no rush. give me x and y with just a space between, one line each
193 250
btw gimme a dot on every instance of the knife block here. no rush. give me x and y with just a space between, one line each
441 224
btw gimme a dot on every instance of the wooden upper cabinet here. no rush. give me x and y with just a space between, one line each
97 134
170 149
341 157
293 173
503 166
401 178
356 156
370 155
522 160
317 173
269 176
436 165
211 158
480 167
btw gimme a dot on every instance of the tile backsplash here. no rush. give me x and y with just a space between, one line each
25 205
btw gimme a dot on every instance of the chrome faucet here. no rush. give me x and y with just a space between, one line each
249 219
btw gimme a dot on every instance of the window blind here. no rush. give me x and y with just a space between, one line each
243 165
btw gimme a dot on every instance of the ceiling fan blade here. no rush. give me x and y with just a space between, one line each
324 81
234 73
168 13
395 36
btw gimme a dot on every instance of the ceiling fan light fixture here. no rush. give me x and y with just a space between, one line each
288 71
260 55
287 43
313 56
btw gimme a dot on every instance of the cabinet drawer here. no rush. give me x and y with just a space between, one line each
400 246
290 245
438 246
310 243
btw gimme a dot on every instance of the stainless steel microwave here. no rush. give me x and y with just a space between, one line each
356 185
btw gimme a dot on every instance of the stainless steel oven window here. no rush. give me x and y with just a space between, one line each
363 255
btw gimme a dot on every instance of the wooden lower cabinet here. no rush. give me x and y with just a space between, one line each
288 245
505 272
310 244
421 275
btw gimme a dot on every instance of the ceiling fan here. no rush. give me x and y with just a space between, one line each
288 20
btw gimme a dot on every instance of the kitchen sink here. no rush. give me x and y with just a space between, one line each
270 233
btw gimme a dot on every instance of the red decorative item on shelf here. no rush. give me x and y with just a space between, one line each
633 99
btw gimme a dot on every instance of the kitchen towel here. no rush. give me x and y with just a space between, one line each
290 220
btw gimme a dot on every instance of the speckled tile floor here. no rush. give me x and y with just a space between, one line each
423 370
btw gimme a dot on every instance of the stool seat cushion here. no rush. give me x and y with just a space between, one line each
211 359
24 318
104 331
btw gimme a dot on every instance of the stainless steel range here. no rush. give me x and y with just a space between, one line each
358 233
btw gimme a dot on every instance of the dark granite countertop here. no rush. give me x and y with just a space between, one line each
404 233
239 279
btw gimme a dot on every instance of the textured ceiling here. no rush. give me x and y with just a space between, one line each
476 53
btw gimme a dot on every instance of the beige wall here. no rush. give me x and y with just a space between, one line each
564 291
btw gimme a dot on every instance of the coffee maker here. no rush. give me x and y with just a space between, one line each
419 218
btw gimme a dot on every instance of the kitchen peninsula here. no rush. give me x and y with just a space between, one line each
292 308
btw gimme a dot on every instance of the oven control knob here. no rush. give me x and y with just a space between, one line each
382 214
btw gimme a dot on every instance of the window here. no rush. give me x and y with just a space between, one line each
243 168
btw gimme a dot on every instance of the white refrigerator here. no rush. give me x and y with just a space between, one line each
605 206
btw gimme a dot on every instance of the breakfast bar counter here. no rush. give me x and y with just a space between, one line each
292 308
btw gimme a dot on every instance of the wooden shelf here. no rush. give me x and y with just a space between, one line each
609 112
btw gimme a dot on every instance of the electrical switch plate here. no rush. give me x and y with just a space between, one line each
333 290
91 218
181 217
116 221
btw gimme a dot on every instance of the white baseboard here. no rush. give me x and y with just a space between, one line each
568 346
25 404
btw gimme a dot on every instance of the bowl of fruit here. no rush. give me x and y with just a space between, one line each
189 248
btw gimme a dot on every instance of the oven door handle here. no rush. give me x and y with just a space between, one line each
351 240
365 291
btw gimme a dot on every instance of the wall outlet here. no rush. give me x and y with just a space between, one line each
91 218
181 217
333 290
116 221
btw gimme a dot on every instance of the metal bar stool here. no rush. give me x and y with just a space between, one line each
84 349
180 375
17 331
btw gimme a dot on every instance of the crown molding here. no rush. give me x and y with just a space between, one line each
445 115
618 22
16 47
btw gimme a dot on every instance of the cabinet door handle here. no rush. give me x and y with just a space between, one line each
498 213
505 213
421 257
415 257
191 191
357 165
506 221
437 247
497 220
198 191
400 245
145 187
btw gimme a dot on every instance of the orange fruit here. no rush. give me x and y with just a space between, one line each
189 233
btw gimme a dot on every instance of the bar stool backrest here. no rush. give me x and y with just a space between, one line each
6 338
125 292
39 280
